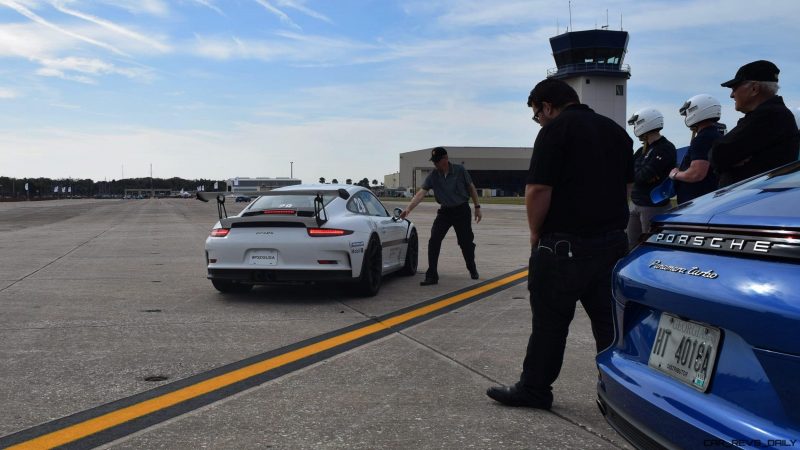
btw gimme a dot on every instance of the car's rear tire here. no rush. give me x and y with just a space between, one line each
231 287
412 256
369 282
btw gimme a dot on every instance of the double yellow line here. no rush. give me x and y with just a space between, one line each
120 416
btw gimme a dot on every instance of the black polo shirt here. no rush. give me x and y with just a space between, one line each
588 160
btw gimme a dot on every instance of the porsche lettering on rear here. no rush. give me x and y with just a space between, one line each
712 242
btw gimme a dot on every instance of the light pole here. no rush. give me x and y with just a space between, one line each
291 169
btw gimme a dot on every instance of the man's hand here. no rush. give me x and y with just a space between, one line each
404 214
478 215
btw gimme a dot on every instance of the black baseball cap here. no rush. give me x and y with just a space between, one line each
437 154
755 71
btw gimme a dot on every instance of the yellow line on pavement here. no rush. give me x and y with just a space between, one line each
120 416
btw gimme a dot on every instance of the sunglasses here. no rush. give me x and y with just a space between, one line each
536 114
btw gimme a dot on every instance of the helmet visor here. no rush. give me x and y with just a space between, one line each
685 107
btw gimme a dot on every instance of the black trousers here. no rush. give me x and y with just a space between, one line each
563 270
460 218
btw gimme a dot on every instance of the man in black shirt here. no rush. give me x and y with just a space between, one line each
576 202
766 137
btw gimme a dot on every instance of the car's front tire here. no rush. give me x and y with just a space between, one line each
412 256
369 282
231 287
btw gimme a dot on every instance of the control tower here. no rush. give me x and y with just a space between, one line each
591 62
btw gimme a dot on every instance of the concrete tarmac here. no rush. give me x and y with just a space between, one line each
100 296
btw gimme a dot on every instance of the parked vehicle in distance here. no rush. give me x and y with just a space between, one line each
707 346
242 198
313 232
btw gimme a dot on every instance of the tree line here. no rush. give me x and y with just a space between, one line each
363 182
46 187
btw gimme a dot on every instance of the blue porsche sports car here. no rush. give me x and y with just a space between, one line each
707 314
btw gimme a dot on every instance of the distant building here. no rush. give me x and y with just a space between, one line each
246 185
391 181
495 171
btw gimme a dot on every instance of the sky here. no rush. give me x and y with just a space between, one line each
216 89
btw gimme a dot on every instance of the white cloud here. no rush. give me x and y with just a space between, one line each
112 26
41 21
299 5
6 93
293 47
280 14
156 8
210 5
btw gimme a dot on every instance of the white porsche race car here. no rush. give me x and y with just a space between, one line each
317 232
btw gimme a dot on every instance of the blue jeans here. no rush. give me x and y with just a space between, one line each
563 270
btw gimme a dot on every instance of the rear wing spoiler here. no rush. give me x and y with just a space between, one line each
319 204
204 196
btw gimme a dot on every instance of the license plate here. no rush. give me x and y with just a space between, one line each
263 258
685 351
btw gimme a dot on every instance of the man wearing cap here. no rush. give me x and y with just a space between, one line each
766 137
452 186
576 198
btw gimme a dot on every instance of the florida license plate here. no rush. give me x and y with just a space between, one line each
685 350
263 257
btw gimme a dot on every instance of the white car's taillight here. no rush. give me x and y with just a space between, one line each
322 232
220 232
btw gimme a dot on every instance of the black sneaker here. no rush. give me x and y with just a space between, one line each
474 274
429 281
511 396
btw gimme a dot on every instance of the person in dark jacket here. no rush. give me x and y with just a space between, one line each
693 176
766 137
652 163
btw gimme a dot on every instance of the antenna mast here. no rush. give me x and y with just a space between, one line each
570 15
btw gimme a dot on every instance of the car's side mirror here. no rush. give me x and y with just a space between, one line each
396 214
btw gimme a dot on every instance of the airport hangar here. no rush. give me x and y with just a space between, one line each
495 171
591 62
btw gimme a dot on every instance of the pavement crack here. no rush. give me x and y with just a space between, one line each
58 258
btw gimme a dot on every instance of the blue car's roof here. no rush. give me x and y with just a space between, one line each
768 200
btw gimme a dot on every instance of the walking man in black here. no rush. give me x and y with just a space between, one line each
576 202
452 186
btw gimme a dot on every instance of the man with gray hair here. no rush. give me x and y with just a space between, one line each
766 137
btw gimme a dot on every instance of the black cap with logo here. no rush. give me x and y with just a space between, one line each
760 70
437 154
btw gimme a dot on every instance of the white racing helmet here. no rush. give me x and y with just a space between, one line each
699 108
646 120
